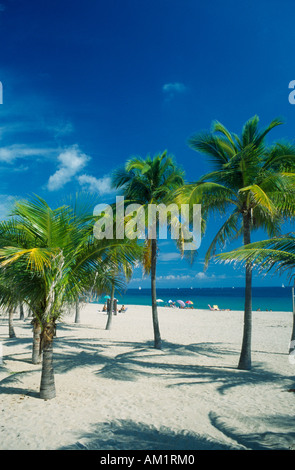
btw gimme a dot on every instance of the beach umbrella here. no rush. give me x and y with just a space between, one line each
181 303
170 301
106 297
189 302
160 300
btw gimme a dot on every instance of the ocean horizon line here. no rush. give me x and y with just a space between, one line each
271 298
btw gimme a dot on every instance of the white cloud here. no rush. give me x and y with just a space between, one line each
60 128
71 161
174 87
169 256
172 277
200 276
6 202
10 153
96 185
171 89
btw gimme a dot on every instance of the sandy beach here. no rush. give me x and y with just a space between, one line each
116 392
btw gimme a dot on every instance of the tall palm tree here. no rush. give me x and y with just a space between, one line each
150 181
276 254
52 259
250 184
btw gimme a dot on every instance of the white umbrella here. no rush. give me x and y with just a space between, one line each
160 300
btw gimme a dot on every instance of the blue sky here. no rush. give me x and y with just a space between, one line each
88 84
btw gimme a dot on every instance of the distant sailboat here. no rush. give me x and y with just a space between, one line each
283 286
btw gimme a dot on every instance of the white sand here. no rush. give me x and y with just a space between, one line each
115 391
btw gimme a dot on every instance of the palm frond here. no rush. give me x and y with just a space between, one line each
277 253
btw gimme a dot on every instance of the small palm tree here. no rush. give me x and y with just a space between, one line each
150 181
53 258
251 185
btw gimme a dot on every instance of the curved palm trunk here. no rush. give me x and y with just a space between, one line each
245 357
36 354
10 326
157 336
47 386
110 309
77 317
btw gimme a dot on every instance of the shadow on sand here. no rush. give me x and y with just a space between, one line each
179 365
128 435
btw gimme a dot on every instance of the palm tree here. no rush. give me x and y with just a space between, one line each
52 259
121 269
10 322
252 185
277 254
150 181
9 295
77 310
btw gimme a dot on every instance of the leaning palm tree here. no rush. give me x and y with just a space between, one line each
250 184
276 254
145 182
52 259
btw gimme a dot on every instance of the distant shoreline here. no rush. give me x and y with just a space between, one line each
165 307
264 298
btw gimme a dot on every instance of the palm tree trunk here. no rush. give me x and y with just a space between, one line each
36 354
292 340
10 320
157 336
77 317
21 311
245 357
47 386
110 311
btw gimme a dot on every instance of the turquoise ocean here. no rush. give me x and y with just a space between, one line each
264 298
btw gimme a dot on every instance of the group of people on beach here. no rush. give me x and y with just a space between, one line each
122 309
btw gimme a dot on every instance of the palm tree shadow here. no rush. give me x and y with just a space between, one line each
256 440
8 385
129 435
142 361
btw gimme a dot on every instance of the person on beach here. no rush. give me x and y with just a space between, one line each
122 309
104 309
